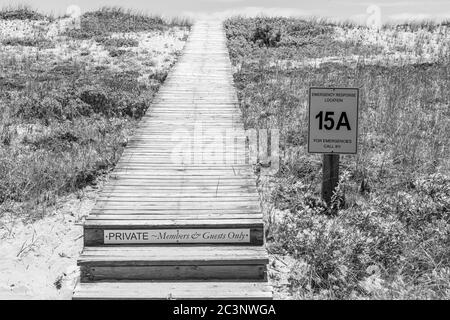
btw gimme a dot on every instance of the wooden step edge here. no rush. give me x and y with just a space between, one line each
157 290
178 223
189 272
194 261
173 255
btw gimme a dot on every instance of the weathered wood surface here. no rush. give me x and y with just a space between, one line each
173 272
185 168
188 159
170 255
121 263
174 290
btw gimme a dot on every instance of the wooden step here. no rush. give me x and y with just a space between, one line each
107 230
173 290
119 263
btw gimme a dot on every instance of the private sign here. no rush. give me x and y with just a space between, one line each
333 120
177 236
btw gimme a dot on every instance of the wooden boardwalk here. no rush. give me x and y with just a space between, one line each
180 217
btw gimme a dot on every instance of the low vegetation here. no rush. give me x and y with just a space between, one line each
70 97
21 13
109 20
387 233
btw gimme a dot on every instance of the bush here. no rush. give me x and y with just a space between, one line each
65 122
20 13
118 42
28 42
53 105
386 233
116 52
266 36
63 160
105 21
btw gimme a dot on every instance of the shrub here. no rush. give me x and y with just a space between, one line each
28 42
65 122
386 233
105 21
20 13
266 36
118 42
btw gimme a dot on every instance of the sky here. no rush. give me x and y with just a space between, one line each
358 10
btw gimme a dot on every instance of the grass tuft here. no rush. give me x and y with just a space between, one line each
387 233
109 20
21 12
66 113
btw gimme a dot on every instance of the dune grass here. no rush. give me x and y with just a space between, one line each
21 12
109 20
387 233
68 104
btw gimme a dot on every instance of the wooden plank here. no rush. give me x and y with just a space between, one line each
181 215
185 188
176 223
236 180
177 207
172 272
147 200
173 255
174 290
142 172
330 176
182 191
139 198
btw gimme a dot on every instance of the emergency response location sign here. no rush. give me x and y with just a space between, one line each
333 120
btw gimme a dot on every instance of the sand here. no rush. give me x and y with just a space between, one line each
38 259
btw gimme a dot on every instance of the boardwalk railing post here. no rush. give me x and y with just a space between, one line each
330 178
